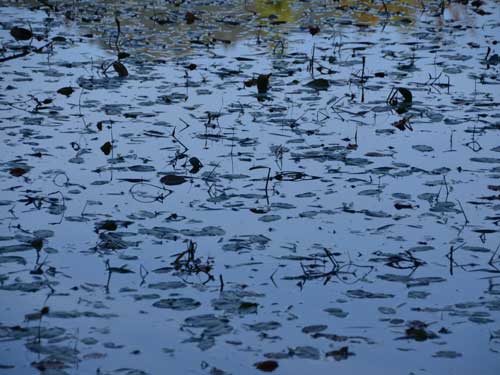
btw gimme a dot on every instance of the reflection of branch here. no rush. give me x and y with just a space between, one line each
185 123
63 207
386 11
221 289
143 272
309 273
123 269
267 178
26 52
186 262
159 198
452 260
463 212
279 43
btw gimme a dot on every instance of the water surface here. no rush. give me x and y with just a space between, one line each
174 218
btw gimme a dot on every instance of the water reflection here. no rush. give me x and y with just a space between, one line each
161 28
373 232
281 11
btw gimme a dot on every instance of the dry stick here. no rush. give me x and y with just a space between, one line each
363 71
182 144
112 148
221 283
451 141
463 212
117 46
363 80
385 9
84 208
143 274
267 182
12 57
25 53
311 63
450 257
80 108
451 260
446 187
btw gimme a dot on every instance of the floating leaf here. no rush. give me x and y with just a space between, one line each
266 366
195 164
319 84
106 148
408 97
18 171
20 33
172 179
66 91
341 354
177 304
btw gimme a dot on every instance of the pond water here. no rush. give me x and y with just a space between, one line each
250 186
